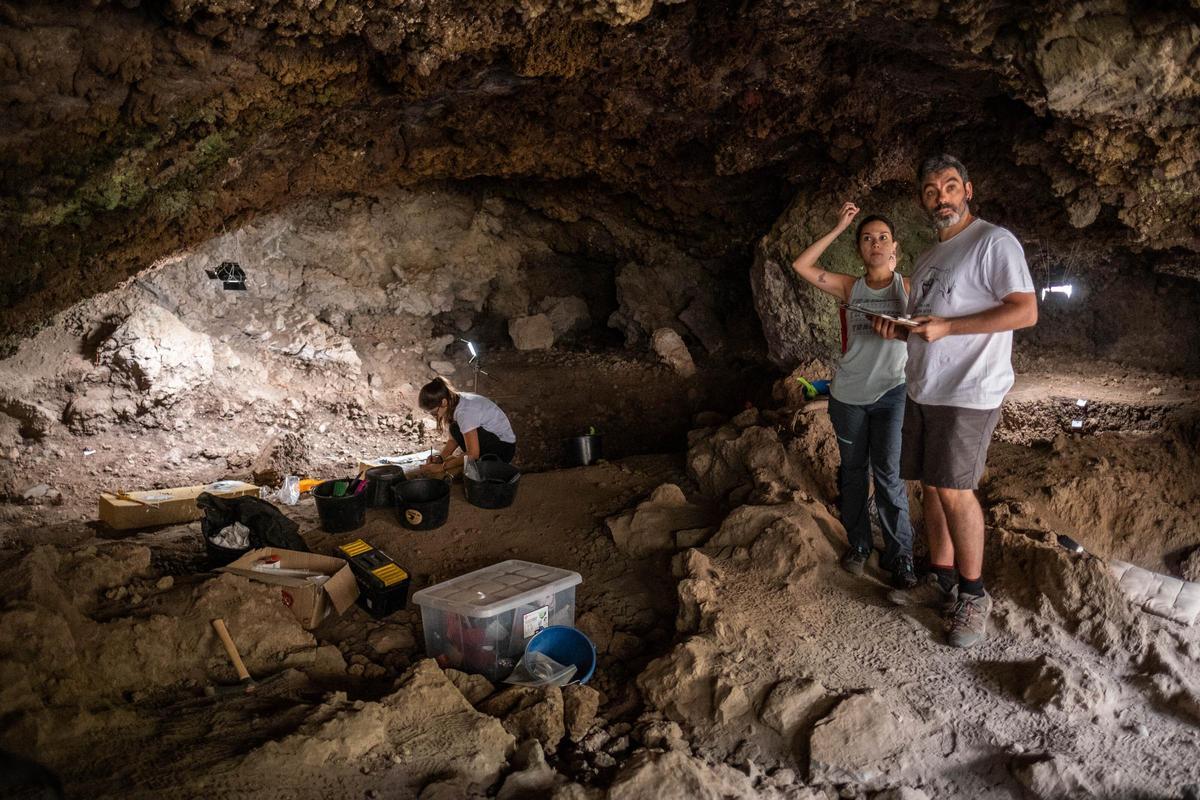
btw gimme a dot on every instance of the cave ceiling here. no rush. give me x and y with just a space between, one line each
133 129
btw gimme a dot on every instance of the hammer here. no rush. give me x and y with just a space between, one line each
247 683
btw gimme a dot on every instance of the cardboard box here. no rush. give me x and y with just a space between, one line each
163 506
409 462
309 602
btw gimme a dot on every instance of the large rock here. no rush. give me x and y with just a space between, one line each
284 454
667 294
159 355
862 740
533 777
785 541
698 592
651 527
682 683
1053 777
531 333
567 314
727 458
580 704
670 347
475 688
674 775
1189 568
1070 687
530 713
793 705
426 728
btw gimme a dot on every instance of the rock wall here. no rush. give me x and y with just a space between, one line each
132 131
356 300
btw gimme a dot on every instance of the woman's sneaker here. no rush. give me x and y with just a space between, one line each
968 621
903 577
927 592
854 560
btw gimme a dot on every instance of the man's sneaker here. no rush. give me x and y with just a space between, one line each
903 577
928 592
968 622
854 560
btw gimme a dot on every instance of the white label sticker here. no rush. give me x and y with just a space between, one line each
536 620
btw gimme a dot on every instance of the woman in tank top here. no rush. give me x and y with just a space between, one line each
867 396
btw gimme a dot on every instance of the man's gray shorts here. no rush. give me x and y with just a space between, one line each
945 446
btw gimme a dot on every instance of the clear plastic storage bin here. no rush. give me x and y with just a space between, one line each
480 622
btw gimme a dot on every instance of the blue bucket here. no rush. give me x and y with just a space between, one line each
566 645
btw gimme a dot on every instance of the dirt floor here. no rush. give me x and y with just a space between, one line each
735 658
148 732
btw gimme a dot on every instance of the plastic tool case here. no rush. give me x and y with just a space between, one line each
382 583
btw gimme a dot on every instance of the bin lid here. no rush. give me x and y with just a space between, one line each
489 591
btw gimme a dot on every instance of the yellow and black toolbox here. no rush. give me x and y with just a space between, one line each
382 583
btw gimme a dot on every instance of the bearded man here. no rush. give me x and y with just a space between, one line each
970 291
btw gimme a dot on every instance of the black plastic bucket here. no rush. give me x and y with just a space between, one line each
497 484
380 481
340 514
422 503
584 450
219 556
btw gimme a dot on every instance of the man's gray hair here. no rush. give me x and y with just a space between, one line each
937 164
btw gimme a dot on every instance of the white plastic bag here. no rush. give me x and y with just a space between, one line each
539 669
288 494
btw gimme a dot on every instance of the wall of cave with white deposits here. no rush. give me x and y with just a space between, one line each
351 303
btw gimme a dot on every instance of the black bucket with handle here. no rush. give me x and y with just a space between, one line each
494 484
422 503
380 483
341 513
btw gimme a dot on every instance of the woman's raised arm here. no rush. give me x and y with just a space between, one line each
805 265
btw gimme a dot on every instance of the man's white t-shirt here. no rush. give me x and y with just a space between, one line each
476 411
971 272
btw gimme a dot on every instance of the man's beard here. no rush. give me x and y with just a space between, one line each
941 223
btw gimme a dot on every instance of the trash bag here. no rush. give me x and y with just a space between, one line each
268 525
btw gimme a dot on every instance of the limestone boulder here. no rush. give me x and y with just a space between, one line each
580 704
793 705
675 775
531 333
284 454
473 687
682 683
654 295
673 352
863 740
652 525
156 353
530 713
426 727
567 314
1053 777
389 638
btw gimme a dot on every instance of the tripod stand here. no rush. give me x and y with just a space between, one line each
477 369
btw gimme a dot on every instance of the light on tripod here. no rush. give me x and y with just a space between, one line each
474 362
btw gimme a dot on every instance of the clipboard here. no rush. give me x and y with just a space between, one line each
905 321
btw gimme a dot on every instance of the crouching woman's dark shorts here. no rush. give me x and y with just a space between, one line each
945 446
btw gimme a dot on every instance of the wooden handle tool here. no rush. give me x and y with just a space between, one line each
231 649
